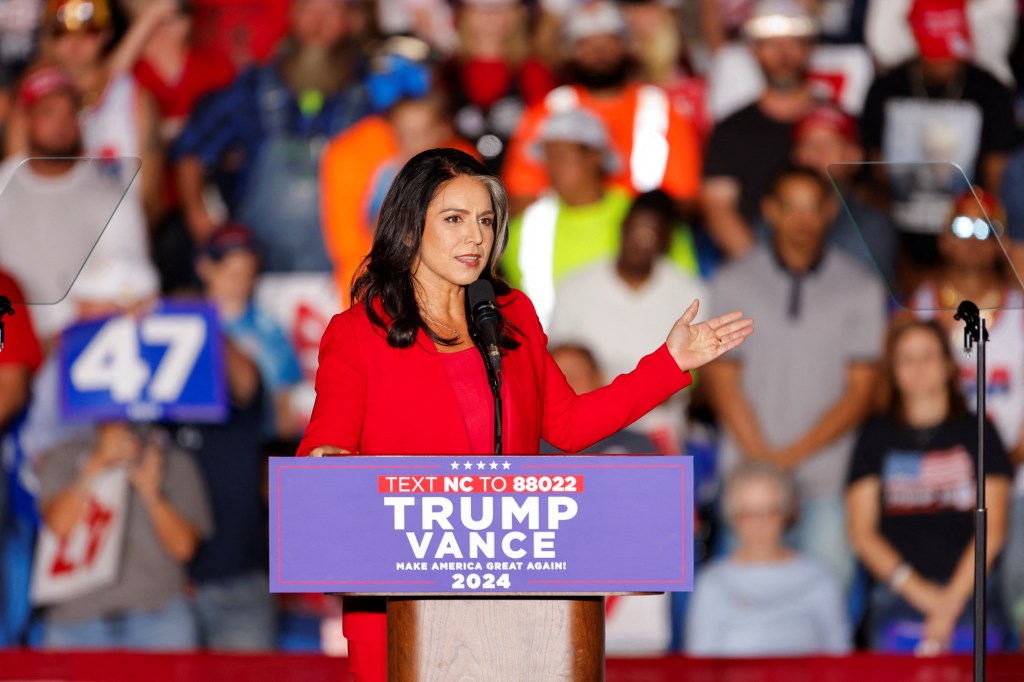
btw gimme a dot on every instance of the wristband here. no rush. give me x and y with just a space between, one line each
899 577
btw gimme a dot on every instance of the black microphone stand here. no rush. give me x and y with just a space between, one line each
5 309
494 380
975 334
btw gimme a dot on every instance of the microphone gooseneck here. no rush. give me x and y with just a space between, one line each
483 307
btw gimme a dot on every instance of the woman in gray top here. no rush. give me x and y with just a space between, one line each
764 599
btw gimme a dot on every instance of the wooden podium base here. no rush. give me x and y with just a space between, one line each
487 639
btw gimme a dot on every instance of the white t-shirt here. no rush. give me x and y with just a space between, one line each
49 226
619 325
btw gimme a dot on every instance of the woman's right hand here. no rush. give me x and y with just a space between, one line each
328 451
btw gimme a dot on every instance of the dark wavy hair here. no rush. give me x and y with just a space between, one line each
893 400
384 282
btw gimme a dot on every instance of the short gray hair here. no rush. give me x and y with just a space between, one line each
760 470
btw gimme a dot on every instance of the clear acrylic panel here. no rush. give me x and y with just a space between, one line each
951 236
53 212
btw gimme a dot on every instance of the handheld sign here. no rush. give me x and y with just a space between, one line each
481 525
166 365
89 558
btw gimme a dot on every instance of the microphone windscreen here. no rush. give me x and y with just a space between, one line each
481 291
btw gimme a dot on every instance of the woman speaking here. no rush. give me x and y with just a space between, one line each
400 372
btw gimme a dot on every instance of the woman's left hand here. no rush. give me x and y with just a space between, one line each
695 345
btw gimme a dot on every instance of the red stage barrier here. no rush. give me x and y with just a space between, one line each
135 667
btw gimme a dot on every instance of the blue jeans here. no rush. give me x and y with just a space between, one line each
894 626
237 613
172 627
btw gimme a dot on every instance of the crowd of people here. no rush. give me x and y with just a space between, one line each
842 171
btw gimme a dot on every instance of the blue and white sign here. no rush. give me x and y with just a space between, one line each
165 366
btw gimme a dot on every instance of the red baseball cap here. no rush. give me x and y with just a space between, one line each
827 116
941 29
44 82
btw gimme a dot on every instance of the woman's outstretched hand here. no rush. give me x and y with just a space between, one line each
695 345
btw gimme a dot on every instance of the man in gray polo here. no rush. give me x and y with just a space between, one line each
796 394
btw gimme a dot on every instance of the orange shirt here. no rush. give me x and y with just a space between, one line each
348 169
526 176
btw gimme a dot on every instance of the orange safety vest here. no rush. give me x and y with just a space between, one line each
659 148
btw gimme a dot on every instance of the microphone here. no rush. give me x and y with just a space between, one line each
483 306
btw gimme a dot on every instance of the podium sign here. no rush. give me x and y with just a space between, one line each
481 525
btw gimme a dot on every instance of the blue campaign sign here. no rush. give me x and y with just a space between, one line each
165 366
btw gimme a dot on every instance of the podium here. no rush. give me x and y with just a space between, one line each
492 570
508 639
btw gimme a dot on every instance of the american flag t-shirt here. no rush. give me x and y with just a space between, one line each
922 482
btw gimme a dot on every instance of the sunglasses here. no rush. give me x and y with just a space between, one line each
966 227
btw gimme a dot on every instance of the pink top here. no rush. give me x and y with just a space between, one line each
468 377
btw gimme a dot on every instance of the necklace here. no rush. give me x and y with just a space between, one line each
439 323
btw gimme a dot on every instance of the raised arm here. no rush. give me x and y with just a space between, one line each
573 422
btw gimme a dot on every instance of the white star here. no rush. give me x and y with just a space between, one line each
480 465
506 465
455 465
494 465
467 466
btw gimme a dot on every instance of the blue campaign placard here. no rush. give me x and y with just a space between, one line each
167 365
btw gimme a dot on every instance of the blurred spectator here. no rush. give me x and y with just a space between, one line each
663 60
765 599
234 609
63 204
735 179
228 266
494 76
246 32
892 41
796 392
840 73
271 125
937 108
430 20
358 167
109 286
167 515
621 307
20 358
584 374
660 148
975 268
1013 199
580 222
118 120
19 38
910 499
826 140
841 21
158 50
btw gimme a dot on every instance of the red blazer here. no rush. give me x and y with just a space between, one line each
372 399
